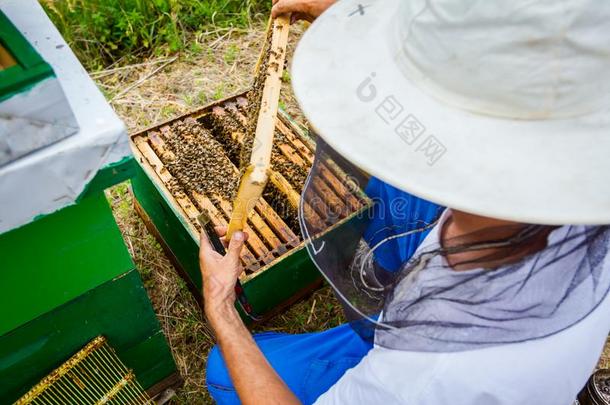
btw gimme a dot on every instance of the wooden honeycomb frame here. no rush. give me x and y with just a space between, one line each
271 239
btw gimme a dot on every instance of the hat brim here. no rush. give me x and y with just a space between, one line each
553 171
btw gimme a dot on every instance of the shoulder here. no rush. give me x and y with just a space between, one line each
561 364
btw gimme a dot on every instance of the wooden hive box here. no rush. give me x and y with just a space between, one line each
278 270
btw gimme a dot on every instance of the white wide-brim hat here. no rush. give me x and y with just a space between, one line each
500 109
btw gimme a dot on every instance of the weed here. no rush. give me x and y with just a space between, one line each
189 100
286 76
168 111
231 54
202 97
102 32
195 48
210 54
106 92
220 92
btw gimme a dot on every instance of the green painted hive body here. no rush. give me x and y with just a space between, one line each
272 283
67 278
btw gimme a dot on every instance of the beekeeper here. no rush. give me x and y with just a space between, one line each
498 110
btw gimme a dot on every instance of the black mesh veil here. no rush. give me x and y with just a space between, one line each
379 249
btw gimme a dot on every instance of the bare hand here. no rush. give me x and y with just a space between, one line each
220 273
301 9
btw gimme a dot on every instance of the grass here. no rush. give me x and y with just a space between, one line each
231 54
105 32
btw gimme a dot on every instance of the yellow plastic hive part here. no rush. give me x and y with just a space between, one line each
94 375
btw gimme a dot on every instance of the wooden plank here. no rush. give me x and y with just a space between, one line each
267 214
313 217
195 114
328 175
289 151
280 182
276 223
318 209
328 170
267 233
336 185
332 204
276 177
336 205
219 115
239 117
340 187
314 209
271 217
298 130
274 220
297 152
261 55
256 175
303 150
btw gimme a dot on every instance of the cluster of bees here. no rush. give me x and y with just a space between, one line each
200 163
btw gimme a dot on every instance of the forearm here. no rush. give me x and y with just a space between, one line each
253 377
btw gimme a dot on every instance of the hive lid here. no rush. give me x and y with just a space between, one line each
34 111
70 130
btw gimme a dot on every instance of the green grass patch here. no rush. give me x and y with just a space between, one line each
231 54
103 32
219 92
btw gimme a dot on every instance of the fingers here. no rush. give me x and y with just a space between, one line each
204 243
220 230
288 6
237 242
294 17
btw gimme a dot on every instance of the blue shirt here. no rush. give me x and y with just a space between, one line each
396 211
